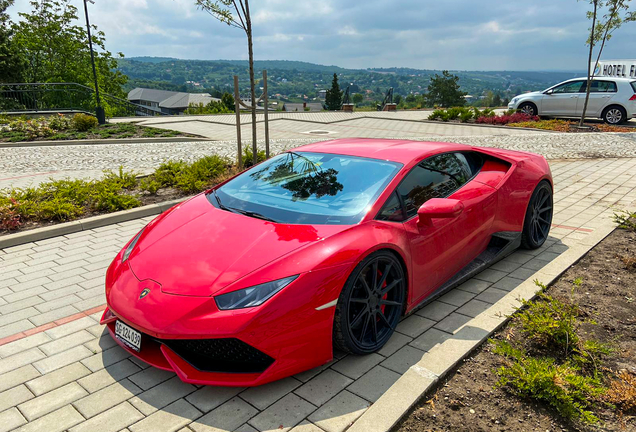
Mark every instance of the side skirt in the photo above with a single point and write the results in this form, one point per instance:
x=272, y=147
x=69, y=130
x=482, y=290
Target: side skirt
x=501, y=245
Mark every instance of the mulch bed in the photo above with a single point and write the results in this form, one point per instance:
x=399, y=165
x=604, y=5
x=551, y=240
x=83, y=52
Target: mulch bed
x=466, y=399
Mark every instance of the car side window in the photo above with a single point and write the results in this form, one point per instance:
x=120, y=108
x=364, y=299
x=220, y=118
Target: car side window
x=571, y=87
x=472, y=161
x=436, y=177
x=392, y=210
x=603, y=87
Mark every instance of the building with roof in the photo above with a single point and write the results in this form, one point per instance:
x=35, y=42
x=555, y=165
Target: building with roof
x=301, y=107
x=168, y=102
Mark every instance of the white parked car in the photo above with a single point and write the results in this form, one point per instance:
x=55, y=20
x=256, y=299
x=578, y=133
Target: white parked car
x=611, y=99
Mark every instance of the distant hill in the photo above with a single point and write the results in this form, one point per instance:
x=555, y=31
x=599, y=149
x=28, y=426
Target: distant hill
x=294, y=79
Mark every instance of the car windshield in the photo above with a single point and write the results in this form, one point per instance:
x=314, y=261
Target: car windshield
x=307, y=188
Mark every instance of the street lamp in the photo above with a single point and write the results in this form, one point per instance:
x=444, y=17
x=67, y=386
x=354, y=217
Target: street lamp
x=99, y=111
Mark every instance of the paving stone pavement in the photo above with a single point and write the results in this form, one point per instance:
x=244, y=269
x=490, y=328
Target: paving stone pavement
x=73, y=376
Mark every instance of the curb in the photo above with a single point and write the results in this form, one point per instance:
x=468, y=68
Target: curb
x=422, y=377
x=85, y=224
x=102, y=142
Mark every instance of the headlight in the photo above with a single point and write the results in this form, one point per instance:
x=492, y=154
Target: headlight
x=131, y=246
x=253, y=296
x=514, y=100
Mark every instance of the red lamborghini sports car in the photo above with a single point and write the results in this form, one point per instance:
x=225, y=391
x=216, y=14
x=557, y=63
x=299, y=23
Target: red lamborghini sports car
x=328, y=245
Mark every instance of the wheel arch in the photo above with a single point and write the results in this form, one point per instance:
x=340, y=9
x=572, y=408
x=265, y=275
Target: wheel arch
x=402, y=261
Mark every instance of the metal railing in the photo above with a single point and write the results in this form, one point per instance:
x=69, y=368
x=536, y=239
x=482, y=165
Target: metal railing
x=55, y=97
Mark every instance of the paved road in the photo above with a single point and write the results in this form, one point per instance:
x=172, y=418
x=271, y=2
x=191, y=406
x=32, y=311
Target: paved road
x=72, y=375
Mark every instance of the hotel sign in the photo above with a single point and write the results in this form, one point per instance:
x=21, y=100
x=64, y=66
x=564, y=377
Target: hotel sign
x=615, y=68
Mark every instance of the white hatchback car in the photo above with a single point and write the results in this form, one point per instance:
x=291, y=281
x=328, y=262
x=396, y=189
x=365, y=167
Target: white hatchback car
x=611, y=99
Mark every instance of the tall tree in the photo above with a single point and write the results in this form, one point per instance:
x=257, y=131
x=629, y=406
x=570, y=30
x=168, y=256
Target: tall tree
x=56, y=49
x=444, y=91
x=236, y=13
x=616, y=13
x=11, y=62
x=333, y=98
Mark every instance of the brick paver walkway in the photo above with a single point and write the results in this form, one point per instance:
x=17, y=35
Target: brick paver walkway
x=74, y=377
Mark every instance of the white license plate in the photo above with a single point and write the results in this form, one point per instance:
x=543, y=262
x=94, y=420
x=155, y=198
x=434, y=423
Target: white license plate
x=128, y=335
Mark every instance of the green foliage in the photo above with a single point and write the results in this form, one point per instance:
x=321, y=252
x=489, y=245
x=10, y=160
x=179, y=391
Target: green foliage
x=149, y=185
x=12, y=63
x=626, y=220
x=486, y=112
x=186, y=177
x=125, y=179
x=248, y=157
x=50, y=37
x=551, y=323
x=357, y=98
x=560, y=386
x=224, y=106
x=444, y=90
x=333, y=98
x=462, y=114
x=83, y=122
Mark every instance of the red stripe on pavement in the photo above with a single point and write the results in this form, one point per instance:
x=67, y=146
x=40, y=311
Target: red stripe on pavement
x=573, y=228
x=47, y=326
x=29, y=175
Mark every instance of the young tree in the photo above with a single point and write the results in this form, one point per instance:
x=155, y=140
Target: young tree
x=357, y=98
x=333, y=98
x=616, y=13
x=444, y=91
x=56, y=49
x=496, y=100
x=11, y=62
x=236, y=13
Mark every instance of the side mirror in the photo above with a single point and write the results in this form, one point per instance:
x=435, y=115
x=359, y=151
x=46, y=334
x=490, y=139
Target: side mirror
x=438, y=208
x=549, y=92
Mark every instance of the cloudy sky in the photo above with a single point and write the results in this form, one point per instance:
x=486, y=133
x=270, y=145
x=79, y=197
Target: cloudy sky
x=425, y=34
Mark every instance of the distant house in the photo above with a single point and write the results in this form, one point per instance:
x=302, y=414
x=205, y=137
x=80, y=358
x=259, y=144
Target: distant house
x=322, y=94
x=168, y=102
x=301, y=107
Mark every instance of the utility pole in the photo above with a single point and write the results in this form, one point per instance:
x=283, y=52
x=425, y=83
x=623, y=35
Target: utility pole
x=99, y=111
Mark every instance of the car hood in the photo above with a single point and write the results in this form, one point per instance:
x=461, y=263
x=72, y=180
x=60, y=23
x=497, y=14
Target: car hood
x=534, y=93
x=198, y=249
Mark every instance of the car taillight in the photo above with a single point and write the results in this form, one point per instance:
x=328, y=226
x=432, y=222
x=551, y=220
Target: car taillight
x=633, y=98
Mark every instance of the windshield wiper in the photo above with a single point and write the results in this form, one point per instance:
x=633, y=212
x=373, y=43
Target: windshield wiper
x=253, y=214
x=240, y=211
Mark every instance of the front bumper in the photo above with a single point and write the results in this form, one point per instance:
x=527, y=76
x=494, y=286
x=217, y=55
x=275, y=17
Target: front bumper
x=282, y=337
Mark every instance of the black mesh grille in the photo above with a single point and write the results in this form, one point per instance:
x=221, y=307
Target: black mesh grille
x=220, y=355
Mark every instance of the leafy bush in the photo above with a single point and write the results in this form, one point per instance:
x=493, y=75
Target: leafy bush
x=83, y=122
x=248, y=157
x=486, y=112
x=561, y=386
x=126, y=179
x=166, y=174
x=9, y=217
x=436, y=114
x=625, y=220
x=196, y=176
x=506, y=119
x=463, y=114
x=149, y=185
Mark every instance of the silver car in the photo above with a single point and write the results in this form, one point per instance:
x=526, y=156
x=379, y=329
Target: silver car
x=611, y=99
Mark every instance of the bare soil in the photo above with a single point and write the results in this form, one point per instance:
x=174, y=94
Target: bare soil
x=466, y=399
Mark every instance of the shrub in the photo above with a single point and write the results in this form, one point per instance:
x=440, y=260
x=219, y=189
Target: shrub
x=625, y=220
x=622, y=392
x=248, y=157
x=506, y=119
x=436, y=114
x=166, y=174
x=83, y=122
x=149, y=185
x=194, y=177
x=58, y=209
x=9, y=217
x=561, y=386
x=126, y=179
x=59, y=122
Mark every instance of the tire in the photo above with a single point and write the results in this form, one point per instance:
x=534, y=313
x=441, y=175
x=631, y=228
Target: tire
x=529, y=108
x=614, y=115
x=536, y=225
x=370, y=304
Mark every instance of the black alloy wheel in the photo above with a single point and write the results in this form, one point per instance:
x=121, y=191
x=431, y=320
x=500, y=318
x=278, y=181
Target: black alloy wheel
x=538, y=219
x=370, y=305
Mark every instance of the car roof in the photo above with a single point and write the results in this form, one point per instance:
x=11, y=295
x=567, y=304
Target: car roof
x=402, y=151
x=602, y=78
